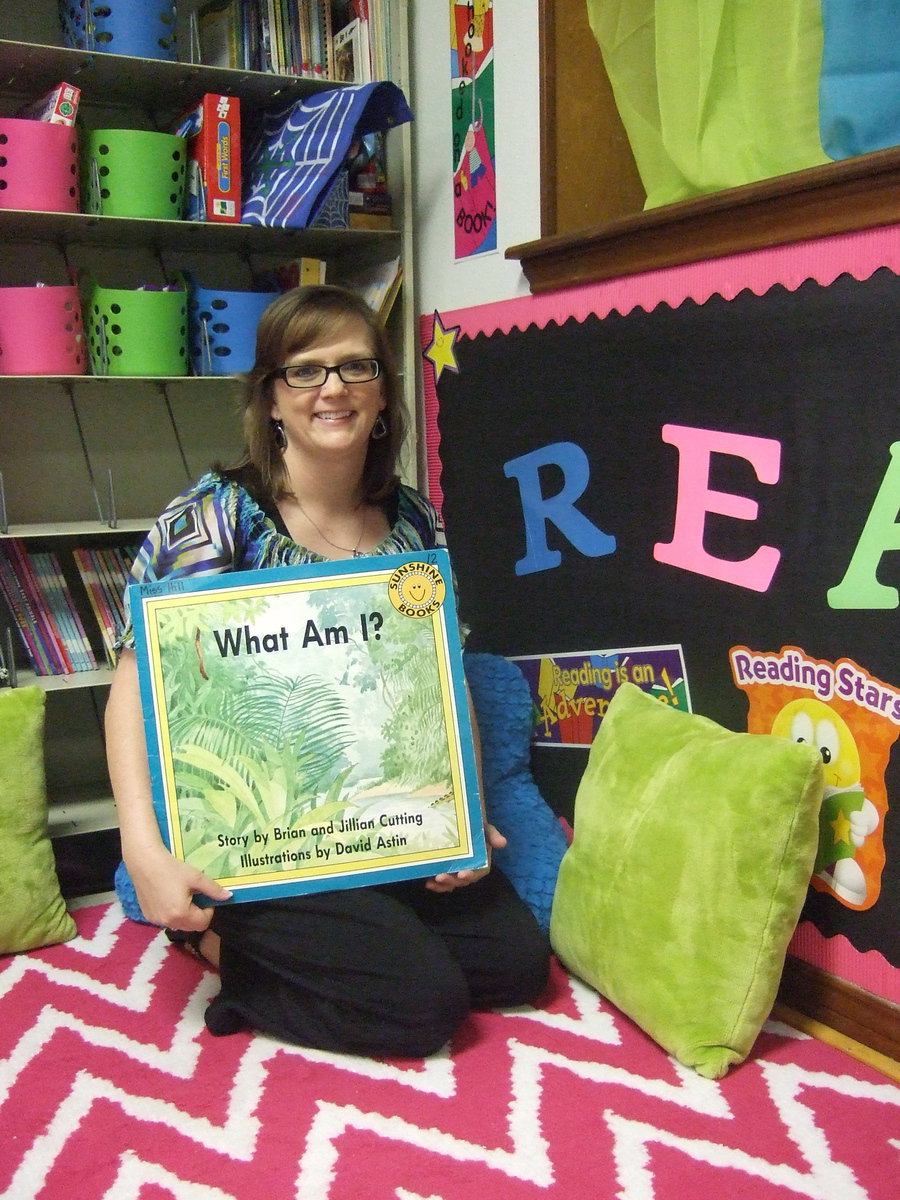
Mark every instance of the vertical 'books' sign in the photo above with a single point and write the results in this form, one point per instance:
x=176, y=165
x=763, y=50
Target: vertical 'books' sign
x=308, y=727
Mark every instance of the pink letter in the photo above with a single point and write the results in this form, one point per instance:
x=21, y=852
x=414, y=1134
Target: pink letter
x=696, y=499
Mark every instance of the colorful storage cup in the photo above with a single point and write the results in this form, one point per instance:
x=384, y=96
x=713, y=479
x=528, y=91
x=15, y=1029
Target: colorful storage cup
x=41, y=331
x=140, y=28
x=223, y=329
x=133, y=173
x=137, y=332
x=38, y=166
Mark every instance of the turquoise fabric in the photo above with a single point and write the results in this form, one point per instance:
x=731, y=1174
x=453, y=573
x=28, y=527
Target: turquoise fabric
x=859, y=92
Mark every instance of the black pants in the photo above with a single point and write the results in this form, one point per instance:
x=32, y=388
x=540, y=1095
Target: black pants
x=383, y=971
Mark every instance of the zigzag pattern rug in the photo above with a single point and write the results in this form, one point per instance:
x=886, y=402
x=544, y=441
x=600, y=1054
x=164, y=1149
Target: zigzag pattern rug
x=111, y=1087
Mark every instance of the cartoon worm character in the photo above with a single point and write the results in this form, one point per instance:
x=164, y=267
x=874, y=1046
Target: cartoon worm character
x=847, y=817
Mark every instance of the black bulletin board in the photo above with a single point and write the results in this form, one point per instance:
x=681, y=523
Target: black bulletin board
x=816, y=370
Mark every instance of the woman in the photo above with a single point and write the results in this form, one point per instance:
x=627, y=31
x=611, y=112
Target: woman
x=381, y=970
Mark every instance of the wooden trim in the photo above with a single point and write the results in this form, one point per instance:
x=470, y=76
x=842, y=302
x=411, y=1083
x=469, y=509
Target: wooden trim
x=866, y=1018
x=547, y=111
x=841, y=197
x=840, y=1041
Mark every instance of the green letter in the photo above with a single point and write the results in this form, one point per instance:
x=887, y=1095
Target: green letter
x=860, y=588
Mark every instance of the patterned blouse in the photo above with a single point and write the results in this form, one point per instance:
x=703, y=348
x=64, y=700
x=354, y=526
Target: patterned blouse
x=217, y=526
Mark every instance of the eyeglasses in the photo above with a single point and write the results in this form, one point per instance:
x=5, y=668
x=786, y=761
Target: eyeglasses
x=313, y=375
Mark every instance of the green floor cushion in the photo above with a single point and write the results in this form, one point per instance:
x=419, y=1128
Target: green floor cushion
x=32, y=911
x=690, y=862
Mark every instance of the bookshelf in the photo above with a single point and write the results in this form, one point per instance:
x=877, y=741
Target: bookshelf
x=88, y=460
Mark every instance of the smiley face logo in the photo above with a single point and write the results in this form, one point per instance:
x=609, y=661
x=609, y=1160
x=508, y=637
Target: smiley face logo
x=417, y=589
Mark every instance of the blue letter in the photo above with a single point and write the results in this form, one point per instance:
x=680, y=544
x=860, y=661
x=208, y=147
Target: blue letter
x=560, y=509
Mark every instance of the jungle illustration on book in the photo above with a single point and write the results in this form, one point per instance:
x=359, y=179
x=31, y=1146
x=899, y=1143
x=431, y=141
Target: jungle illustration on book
x=307, y=727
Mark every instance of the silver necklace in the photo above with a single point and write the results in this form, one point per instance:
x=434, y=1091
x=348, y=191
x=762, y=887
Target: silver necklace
x=355, y=552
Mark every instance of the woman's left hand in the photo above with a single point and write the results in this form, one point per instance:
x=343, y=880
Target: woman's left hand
x=449, y=883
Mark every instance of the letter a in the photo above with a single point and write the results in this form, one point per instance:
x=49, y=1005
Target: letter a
x=559, y=509
x=859, y=588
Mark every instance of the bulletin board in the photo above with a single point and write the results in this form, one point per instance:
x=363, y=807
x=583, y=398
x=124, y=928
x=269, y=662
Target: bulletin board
x=719, y=472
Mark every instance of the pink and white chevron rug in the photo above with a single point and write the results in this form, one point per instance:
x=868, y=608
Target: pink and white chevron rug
x=110, y=1087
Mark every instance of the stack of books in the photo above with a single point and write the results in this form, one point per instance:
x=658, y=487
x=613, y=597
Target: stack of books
x=43, y=600
x=346, y=41
x=104, y=573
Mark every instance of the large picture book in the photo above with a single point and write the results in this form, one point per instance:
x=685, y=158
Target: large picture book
x=308, y=727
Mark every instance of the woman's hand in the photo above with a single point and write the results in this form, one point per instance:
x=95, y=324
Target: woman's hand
x=449, y=883
x=166, y=888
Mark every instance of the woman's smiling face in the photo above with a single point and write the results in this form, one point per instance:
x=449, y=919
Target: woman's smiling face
x=335, y=416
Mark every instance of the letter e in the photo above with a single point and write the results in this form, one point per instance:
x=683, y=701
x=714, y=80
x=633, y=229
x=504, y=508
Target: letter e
x=695, y=499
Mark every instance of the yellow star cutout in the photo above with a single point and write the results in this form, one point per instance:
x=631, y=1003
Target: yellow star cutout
x=440, y=352
x=841, y=827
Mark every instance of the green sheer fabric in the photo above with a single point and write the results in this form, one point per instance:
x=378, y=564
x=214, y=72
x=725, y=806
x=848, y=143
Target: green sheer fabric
x=713, y=93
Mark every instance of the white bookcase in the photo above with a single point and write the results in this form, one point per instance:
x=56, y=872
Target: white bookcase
x=91, y=460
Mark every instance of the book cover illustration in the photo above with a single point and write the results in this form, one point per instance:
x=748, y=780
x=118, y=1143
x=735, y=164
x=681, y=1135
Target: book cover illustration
x=308, y=727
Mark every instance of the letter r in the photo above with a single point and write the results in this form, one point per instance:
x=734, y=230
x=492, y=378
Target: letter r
x=559, y=509
x=696, y=499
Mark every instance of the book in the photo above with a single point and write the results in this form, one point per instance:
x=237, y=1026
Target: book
x=351, y=53
x=219, y=33
x=103, y=614
x=308, y=727
x=23, y=616
x=49, y=639
x=391, y=295
x=62, y=611
x=300, y=271
x=323, y=17
x=114, y=565
x=376, y=283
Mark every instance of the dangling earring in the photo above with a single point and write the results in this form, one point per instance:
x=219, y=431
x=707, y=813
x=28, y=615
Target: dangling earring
x=379, y=429
x=279, y=437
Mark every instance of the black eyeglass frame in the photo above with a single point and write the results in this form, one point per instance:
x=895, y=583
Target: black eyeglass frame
x=282, y=372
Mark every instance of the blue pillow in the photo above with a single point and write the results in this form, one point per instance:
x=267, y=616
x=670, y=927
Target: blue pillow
x=536, y=839
x=127, y=895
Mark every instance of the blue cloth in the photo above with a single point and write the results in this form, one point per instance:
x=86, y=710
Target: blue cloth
x=128, y=896
x=536, y=841
x=300, y=147
x=859, y=89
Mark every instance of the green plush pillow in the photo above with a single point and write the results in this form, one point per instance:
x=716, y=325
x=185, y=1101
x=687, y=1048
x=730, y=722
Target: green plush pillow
x=32, y=911
x=692, y=854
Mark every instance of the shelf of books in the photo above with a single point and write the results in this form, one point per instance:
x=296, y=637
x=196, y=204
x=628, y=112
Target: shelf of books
x=89, y=457
x=65, y=606
x=349, y=41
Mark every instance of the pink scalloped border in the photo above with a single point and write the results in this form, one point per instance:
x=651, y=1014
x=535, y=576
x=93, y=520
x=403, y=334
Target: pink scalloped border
x=822, y=259
x=869, y=970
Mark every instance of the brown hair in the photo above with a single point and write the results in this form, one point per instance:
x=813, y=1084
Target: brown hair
x=298, y=319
